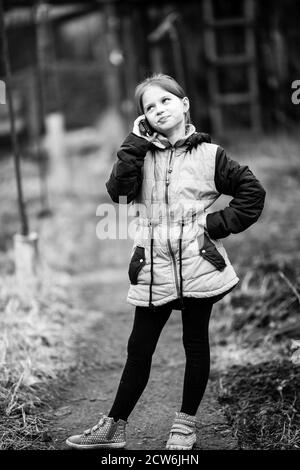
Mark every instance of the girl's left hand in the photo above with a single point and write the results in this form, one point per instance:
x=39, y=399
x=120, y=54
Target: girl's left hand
x=136, y=129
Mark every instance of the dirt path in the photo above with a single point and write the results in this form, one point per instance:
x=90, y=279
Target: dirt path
x=99, y=288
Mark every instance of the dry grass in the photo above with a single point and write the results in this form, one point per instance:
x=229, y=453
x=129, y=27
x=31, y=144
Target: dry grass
x=262, y=404
x=267, y=302
x=36, y=349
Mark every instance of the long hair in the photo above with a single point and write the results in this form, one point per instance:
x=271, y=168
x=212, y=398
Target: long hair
x=166, y=83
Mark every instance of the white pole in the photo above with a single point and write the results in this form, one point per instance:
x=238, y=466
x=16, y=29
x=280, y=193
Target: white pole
x=59, y=171
x=27, y=263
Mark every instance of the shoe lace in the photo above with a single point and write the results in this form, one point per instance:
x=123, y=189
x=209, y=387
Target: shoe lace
x=101, y=422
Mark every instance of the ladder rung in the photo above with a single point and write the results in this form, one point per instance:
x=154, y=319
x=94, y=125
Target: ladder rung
x=232, y=59
x=234, y=98
x=228, y=22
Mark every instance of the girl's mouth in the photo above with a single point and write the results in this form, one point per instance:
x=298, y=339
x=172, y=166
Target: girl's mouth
x=162, y=119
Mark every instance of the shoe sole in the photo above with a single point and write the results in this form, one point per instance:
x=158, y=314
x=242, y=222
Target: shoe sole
x=180, y=446
x=113, y=445
x=174, y=447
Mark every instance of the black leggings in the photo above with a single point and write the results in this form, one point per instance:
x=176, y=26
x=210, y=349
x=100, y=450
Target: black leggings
x=142, y=342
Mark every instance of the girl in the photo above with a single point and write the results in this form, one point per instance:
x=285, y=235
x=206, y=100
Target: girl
x=173, y=174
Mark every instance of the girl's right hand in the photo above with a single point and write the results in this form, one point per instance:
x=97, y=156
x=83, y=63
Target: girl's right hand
x=136, y=129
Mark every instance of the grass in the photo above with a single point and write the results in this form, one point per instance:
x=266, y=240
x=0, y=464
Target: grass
x=262, y=404
x=36, y=349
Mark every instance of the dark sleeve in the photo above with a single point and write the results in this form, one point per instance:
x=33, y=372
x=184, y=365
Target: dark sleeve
x=126, y=175
x=244, y=209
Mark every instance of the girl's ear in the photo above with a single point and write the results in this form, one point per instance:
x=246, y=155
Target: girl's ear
x=186, y=104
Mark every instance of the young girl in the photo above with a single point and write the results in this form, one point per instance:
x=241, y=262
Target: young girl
x=173, y=174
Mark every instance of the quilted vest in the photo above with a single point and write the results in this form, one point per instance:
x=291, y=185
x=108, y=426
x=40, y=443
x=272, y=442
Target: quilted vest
x=172, y=255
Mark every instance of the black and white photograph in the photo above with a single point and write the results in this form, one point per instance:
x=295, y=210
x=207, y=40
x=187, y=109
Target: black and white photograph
x=149, y=229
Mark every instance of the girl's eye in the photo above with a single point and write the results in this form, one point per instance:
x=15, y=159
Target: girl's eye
x=149, y=108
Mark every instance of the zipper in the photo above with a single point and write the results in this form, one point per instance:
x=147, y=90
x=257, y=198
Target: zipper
x=168, y=172
x=169, y=169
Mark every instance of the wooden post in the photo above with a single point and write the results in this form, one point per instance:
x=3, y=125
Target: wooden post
x=111, y=125
x=168, y=28
x=111, y=47
x=40, y=16
x=177, y=54
x=130, y=67
x=52, y=124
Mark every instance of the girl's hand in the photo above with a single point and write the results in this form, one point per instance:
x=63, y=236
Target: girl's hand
x=136, y=129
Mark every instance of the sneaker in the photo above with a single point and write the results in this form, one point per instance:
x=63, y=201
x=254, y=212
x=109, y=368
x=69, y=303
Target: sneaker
x=183, y=432
x=106, y=434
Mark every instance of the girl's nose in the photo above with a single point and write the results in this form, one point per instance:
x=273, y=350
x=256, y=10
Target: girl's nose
x=159, y=108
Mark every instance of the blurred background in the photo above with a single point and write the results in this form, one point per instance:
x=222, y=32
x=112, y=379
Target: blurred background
x=70, y=70
x=236, y=59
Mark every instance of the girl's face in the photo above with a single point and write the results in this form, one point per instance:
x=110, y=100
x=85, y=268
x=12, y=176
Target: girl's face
x=164, y=111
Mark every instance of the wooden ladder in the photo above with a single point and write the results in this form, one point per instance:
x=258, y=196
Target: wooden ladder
x=247, y=60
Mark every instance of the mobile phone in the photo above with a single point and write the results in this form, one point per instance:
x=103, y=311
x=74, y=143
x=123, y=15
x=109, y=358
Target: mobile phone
x=145, y=127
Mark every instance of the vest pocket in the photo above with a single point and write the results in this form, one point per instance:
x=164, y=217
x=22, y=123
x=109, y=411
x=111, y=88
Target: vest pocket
x=209, y=252
x=137, y=261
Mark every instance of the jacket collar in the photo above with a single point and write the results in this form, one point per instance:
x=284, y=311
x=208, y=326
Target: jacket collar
x=162, y=142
